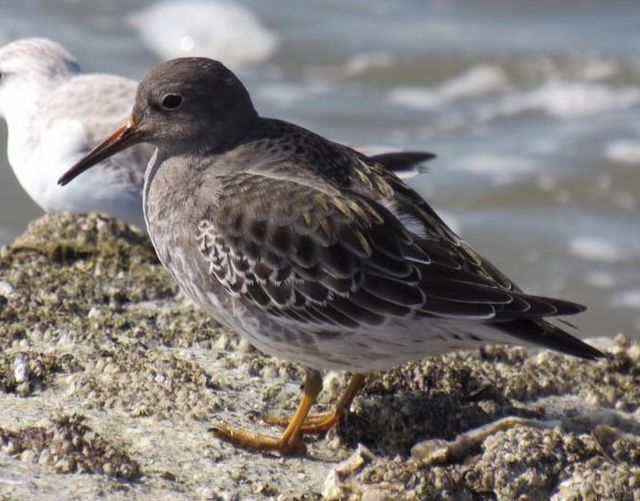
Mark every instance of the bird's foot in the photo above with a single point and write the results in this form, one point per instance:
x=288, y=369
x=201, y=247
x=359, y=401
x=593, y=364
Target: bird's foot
x=290, y=438
x=313, y=424
x=284, y=444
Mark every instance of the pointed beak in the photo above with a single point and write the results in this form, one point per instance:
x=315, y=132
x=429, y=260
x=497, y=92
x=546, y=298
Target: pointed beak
x=124, y=136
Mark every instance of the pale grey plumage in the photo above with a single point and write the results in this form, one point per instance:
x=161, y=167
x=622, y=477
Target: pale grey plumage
x=55, y=115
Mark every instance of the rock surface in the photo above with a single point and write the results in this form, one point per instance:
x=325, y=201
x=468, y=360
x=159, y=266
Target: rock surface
x=110, y=379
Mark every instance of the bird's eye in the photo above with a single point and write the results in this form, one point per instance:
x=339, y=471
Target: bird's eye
x=171, y=101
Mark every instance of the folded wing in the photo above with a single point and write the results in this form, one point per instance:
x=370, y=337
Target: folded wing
x=303, y=249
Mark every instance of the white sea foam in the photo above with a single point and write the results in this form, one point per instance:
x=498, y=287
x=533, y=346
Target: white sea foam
x=221, y=30
x=624, y=151
x=629, y=298
x=359, y=63
x=566, y=100
x=289, y=94
x=600, y=278
x=283, y=94
x=597, y=68
x=478, y=80
x=596, y=249
x=501, y=168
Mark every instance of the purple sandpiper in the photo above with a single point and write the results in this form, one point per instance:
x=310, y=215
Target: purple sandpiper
x=309, y=249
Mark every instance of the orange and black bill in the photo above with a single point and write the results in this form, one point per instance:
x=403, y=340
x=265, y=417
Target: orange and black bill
x=123, y=137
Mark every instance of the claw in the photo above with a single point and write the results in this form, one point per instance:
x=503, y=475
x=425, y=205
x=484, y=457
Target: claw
x=299, y=424
x=255, y=441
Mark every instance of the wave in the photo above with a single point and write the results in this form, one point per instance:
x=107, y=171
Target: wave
x=625, y=151
x=220, y=30
x=597, y=249
x=567, y=100
x=502, y=169
x=477, y=81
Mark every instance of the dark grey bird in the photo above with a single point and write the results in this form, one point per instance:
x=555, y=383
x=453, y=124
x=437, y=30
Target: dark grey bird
x=313, y=251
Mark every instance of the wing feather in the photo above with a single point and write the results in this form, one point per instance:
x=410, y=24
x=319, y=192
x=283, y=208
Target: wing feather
x=339, y=257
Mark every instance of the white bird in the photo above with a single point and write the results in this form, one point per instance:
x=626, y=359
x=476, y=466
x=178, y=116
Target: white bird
x=55, y=115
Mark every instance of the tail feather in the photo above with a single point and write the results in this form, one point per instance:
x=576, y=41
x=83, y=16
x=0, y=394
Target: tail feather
x=405, y=164
x=543, y=333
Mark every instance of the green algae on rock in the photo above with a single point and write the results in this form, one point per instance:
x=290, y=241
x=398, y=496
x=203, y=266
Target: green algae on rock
x=97, y=343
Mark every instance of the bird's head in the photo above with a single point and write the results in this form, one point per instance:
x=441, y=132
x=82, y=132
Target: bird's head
x=31, y=66
x=184, y=104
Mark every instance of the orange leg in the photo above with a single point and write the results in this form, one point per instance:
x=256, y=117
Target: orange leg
x=319, y=423
x=291, y=436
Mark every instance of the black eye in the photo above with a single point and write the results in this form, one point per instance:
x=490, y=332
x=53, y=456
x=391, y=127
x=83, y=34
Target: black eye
x=171, y=101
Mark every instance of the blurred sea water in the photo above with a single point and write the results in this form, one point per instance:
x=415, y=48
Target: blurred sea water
x=532, y=107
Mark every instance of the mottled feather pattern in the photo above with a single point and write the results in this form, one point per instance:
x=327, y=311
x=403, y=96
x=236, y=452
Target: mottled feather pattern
x=323, y=249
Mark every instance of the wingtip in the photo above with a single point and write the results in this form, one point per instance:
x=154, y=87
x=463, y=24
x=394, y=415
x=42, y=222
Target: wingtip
x=405, y=163
x=547, y=335
x=591, y=353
